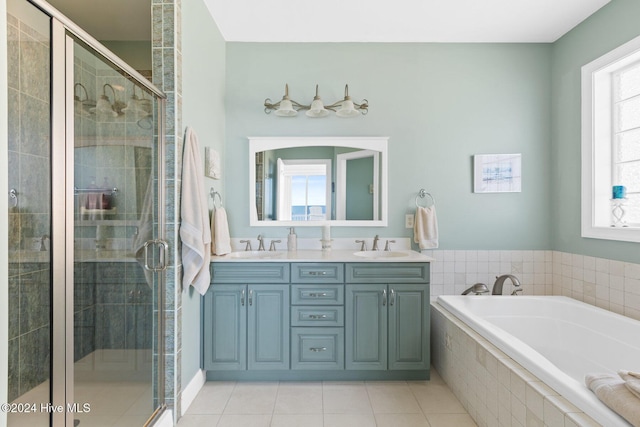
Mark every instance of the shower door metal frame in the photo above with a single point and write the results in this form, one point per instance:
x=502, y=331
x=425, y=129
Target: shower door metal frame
x=63, y=33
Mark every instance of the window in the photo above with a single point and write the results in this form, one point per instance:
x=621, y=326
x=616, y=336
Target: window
x=304, y=190
x=611, y=144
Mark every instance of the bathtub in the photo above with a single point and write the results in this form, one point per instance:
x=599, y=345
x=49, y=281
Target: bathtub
x=558, y=339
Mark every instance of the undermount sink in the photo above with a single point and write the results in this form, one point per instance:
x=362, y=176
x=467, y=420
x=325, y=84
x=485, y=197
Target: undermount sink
x=380, y=254
x=256, y=254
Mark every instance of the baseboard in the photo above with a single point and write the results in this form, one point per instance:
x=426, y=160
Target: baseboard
x=192, y=389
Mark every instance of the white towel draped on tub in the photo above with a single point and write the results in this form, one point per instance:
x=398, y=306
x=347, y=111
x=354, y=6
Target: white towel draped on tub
x=220, y=239
x=194, y=218
x=611, y=390
x=425, y=227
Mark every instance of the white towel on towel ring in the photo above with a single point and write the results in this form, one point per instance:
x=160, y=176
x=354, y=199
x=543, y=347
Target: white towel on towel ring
x=425, y=227
x=194, y=218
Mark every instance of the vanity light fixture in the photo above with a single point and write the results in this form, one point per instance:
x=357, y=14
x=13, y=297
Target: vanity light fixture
x=343, y=108
x=78, y=103
x=104, y=105
x=137, y=106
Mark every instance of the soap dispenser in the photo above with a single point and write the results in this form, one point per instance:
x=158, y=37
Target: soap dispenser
x=292, y=240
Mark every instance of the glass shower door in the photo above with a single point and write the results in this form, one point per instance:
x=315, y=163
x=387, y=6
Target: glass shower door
x=115, y=203
x=29, y=173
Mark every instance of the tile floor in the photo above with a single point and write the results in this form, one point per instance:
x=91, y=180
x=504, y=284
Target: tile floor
x=328, y=403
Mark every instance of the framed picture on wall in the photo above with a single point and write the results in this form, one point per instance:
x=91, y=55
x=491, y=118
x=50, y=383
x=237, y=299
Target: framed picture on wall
x=497, y=173
x=212, y=163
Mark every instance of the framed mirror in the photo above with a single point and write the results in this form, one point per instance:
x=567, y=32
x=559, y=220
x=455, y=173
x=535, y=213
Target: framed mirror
x=312, y=181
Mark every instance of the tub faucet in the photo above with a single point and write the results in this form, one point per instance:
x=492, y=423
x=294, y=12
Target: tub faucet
x=477, y=289
x=497, y=286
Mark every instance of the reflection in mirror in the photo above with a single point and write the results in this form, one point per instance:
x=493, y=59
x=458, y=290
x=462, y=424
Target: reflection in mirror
x=303, y=181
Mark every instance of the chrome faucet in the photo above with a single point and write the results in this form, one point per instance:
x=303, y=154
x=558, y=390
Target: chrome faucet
x=272, y=246
x=248, y=244
x=363, y=245
x=497, y=286
x=42, y=239
x=375, y=243
x=477, y=289
x=261, y=242
x=387, y=246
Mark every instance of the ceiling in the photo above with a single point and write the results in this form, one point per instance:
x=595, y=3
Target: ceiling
x=502, y=21
x=116, y=20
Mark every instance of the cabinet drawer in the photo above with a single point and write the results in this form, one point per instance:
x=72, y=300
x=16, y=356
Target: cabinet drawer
x=383, y=272
x=317, y=348
x=317, y=316
x=317, y=294
x=249, y=272
x=323, y=272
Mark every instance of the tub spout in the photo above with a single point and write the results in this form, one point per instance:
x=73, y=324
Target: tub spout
x=477, y=289
x=497, y=286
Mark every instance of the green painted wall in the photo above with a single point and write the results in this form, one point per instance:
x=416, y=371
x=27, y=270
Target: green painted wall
x=438, y=103
x=203, y=80
x=611, y=26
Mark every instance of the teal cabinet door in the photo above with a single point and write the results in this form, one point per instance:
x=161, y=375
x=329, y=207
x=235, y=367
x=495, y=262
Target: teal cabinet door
x=225, y=328
x=408, y=327
x=366, y=327
x=268, y=329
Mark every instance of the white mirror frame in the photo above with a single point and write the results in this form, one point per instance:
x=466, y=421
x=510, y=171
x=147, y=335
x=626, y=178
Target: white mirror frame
x=258, y=144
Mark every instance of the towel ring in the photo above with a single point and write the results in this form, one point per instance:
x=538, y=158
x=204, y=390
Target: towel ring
x=422, y=194
x=213, y=193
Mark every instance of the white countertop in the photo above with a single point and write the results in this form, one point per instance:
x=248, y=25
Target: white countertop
x=321, y=256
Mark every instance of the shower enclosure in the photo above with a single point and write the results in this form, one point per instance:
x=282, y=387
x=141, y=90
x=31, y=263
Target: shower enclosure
x=86, y=255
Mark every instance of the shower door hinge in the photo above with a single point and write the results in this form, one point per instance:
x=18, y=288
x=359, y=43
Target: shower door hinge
x=161, y=247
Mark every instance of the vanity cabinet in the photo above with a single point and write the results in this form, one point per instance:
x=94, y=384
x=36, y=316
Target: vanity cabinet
x=317, y=316
x=314, y=321
x=247, y=323
x=387, y=318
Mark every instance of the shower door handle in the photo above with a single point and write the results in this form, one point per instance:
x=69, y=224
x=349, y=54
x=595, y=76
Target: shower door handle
x=163, y=247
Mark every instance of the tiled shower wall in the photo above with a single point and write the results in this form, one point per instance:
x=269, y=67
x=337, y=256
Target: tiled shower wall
x=167, y=75
x=29, y=163
x=609, y=284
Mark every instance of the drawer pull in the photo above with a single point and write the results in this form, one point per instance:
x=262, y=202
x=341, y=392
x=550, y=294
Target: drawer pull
x=317, y=273
x=318, y=349
x=317, y=316
x=317, y=294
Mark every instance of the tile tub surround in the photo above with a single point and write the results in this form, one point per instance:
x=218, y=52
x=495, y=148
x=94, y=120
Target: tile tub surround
x=494, y=389
x=609, y=284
